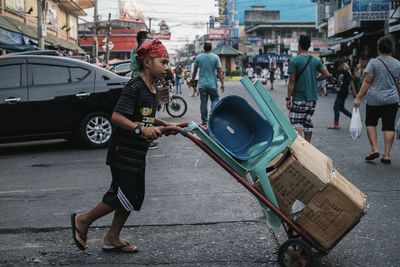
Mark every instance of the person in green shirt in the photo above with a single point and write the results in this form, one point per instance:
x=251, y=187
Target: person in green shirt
x=302, y=93
x=140, y=38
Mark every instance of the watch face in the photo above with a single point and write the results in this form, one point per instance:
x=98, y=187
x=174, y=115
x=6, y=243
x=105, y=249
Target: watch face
x=137, y=131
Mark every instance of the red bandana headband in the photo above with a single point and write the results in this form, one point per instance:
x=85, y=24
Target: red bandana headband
x=151, y=49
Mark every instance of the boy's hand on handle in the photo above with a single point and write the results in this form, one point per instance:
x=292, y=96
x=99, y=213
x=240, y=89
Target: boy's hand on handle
x=174, y=124
x=152, y=133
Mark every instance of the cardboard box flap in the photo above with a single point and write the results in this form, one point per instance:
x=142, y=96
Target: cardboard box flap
x=346, y=187
x=312, y=159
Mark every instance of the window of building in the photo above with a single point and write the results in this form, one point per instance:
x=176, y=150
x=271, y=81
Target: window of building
x=49, y=74
x=10, y=76
x=17, y=5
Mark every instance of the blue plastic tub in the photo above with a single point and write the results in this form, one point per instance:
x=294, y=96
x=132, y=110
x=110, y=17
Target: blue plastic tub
x=239, y=129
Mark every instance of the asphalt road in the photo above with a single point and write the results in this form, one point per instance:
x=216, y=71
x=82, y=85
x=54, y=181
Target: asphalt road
x=194, y=213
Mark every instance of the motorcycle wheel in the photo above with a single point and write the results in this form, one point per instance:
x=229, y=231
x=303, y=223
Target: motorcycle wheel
x=177, y=107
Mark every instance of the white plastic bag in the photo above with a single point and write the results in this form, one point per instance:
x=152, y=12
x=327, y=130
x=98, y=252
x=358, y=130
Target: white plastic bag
x=355, y=124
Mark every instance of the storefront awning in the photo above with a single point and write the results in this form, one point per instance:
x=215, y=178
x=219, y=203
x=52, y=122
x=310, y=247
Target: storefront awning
x=345, y=40
x=17, y=47
x=16, y=28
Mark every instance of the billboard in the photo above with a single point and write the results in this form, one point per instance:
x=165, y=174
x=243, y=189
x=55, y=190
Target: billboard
x=331, y=26
x=223, y=7
x=364, y=10
x=164, y=32
x=218, y=33
x=131, y=10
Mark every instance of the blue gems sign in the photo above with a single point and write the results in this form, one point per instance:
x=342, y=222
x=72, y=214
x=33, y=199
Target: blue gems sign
x=364, y=10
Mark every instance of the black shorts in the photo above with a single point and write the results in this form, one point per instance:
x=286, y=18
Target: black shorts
x=387, y=113
x=126, y=191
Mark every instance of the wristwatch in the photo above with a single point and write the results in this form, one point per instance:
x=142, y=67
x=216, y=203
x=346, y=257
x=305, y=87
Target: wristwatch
x=138, y=130
x=288, y=98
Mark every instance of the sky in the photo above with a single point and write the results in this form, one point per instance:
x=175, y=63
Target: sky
x=186, y=18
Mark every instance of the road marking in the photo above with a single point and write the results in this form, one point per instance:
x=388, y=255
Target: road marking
x=39, y=190
x=157, y=156
x=19, y=247
x=195, y=165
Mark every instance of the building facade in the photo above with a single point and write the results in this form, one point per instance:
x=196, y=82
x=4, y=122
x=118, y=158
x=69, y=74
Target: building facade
x=353, y=27
x=299, y=10
x=122, y=37
x=393, y=26
x=126, y=20
x=18, y=24
x=265, y=38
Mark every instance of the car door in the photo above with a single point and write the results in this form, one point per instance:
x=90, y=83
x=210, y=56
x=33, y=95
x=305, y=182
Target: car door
x=14, y=105
x=60, y=91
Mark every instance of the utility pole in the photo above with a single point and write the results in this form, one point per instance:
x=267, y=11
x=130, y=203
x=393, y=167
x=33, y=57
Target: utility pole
x=41, y=30
x=232, y=26
x=95, y=49
x=207, y=25
x=150, y=19
x=107, y=57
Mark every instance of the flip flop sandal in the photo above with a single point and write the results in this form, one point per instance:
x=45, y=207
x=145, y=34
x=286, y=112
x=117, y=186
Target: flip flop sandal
x=372, y=156
x=112, y=248
x=76, y=231
x=386, y=161
x=333, y=127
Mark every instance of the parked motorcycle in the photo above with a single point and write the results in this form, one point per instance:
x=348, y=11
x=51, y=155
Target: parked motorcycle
x=175, y=105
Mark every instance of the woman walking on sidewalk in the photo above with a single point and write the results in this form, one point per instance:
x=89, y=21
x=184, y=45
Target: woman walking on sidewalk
x=381, y=87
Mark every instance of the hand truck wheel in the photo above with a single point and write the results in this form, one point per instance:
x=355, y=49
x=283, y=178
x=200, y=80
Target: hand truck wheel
x=295, y=253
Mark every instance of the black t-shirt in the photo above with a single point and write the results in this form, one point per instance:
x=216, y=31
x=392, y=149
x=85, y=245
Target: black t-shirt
x=344, y=81
x=128, y=150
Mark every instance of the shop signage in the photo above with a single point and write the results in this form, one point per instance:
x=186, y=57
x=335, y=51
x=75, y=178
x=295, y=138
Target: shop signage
x=257, y=40
x=320, y=43
x=218, y=33
x=344, y=20
x=222, y=7
x=221, y=19
x=364, y=10
x=331, y=26
x=267, y=58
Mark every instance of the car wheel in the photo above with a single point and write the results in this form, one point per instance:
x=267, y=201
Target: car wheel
x=95, y=130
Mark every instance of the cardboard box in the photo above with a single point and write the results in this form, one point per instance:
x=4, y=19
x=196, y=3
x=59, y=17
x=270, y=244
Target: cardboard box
x=326, y=203
x=333, y=211
x=301, y=176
